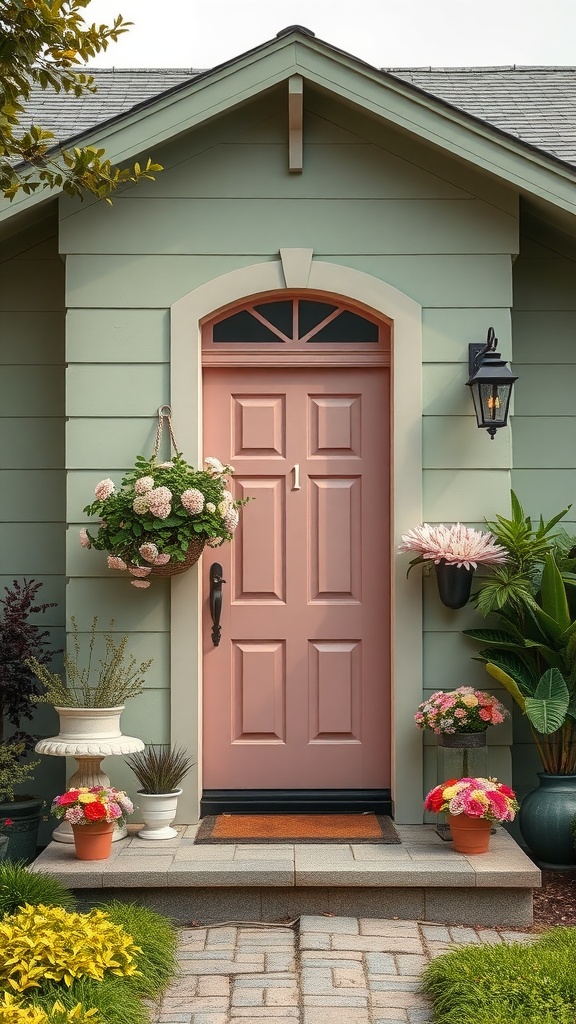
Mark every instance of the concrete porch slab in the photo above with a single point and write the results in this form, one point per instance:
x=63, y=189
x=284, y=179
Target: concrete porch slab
x=422, y=878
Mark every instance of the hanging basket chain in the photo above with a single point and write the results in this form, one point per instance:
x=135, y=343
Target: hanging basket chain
x=164, y=413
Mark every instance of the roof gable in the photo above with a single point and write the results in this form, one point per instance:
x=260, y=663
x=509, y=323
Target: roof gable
x=189, y=98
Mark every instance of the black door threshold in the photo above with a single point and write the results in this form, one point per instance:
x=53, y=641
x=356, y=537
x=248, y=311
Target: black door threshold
x=295, y=801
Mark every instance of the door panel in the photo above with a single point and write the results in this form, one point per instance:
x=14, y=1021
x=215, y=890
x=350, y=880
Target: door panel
x=297, y=694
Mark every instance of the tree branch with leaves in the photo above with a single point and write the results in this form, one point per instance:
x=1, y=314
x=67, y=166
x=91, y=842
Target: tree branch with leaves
x=44, y=44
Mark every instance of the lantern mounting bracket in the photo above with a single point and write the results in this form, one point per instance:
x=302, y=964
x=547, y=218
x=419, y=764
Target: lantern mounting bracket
x=478, y=349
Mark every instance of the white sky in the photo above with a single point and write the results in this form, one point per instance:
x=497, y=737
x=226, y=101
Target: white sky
x=385, y=33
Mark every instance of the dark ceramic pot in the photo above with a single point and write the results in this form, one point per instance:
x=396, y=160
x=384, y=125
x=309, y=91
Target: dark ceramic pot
x=454, y=584
x=546, y=821
x=22, y=834
x=466, y=740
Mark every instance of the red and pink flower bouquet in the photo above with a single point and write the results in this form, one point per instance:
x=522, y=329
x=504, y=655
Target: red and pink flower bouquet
x=85, y=806
x=477, y=798
x=463, y=710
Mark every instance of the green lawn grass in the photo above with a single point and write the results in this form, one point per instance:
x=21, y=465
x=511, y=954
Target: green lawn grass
x=506, y=984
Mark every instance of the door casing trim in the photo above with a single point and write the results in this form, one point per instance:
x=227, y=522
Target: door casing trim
x=187, y=315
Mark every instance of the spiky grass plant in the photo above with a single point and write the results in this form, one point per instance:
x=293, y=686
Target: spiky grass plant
x=19, y=886
x=113, y=1000
x=506, y=984
x=157, y=938
x=160, y=768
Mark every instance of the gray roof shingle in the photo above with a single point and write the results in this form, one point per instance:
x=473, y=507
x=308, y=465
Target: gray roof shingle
x=535, y=105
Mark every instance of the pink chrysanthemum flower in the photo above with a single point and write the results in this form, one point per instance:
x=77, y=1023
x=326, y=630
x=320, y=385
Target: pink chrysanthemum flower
x=148, y=551
x=84, y=538
x=210, y=507
x=140, y=570
x=162, y=559
x=104, y=489
x=74, y=815
x=192, y=500
x=144, y=484
x=115, y=562
x=214, y=542
x=160, y=494
x=457, y=545
x=142, y=584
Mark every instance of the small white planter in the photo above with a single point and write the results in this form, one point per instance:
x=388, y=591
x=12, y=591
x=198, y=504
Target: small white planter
x=158, y=813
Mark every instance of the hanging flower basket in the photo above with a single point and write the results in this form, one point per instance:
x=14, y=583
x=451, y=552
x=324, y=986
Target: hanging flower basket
x=159, y=521
x=456, y=551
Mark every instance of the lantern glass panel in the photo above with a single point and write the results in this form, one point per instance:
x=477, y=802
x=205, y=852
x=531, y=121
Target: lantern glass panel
x=494, y=399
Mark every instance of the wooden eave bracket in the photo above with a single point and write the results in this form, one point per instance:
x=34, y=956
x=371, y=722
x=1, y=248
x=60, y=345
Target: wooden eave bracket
x=295, y=123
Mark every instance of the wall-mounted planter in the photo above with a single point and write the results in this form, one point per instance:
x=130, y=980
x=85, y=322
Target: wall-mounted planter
x=454, y=584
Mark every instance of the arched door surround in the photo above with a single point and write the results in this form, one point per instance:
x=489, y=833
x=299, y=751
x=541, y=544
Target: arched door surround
x=332, y=283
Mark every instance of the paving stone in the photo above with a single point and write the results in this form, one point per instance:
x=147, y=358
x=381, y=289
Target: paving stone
x=395, y=984
x=311, y=941
x=287, y=996
x=345, y=977
x=404, y=999
x=410, y=963
x=319, y=925
x=375, y=943
x=247, y=996
x=518, y=937
x=488, y=937
x=435, y=933
x=400, y=929
x=213, y=986
x=338, y=1015
x=221, y=937
x=206, y=1017
x=464, y=936
x=381, y=963
x=280, y=961
x=335, y=1001
x=270, y=1012
x=386, y=1015
x=265, y=980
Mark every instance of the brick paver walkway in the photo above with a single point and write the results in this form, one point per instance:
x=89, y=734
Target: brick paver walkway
x=324, y=970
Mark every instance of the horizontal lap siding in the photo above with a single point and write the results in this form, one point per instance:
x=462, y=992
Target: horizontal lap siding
x=544, y=427
x=368, y=199
x=32, y=476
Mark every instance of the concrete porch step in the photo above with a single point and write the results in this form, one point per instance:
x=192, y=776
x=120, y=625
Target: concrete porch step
x=420, y=879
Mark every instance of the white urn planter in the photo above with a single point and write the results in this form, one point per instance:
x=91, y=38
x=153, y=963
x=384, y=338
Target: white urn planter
x=158, y=811
x=88, y=735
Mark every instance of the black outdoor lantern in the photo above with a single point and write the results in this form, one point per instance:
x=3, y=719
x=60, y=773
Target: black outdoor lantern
x=490, y=383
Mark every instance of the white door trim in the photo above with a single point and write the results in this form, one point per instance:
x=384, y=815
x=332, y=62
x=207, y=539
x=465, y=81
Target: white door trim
x=187, y=315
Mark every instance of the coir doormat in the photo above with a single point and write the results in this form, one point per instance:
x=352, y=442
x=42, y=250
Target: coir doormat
x=297, y=828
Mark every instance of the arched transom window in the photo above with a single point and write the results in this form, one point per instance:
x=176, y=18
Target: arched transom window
x=295, y=330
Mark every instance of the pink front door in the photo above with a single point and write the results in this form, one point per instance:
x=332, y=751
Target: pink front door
x=297, y=694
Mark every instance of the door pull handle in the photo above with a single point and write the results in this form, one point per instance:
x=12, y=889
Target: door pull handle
x=296, y=482
x=216, y=581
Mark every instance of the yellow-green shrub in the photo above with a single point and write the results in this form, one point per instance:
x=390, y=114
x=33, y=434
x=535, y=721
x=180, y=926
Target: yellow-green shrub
x=12, y=1011
x=51, y=944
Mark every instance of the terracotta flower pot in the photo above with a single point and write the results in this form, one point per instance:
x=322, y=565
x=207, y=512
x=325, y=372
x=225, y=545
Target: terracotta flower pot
x=93, y=841
x=469, y=835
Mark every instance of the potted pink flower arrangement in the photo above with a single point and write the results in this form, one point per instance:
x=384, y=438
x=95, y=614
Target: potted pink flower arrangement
x=472, y=805
x=461, y=711
x=93, y=812
x=456, y=551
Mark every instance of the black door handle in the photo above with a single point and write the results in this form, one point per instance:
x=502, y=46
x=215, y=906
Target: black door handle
x=216, y=581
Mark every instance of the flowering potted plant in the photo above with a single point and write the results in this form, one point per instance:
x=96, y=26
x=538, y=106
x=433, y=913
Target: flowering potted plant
x=93, y=812
x=460, y=718
x=456, y=552
x=472, y=805
x=158, y=522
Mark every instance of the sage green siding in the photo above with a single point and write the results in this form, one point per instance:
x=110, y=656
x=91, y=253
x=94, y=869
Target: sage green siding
x=370, y=198
x=544, y=425
x=32, y=476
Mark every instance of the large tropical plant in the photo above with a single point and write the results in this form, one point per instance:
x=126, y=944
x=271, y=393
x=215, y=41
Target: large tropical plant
x=532, y=652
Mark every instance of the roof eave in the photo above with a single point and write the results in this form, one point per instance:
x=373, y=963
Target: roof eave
x=402, y=104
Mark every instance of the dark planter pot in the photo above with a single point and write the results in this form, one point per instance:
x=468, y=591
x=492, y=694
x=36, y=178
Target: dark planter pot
x=22, y=835
x=454, y=584
x=546, y=821
x=462, y=740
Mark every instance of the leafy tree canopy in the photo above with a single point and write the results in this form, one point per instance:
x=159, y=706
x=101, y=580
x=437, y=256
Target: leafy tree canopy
x=44, y=43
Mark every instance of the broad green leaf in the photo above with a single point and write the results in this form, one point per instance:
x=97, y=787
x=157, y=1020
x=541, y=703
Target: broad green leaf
x=511, y=663
x=553, y=594
x=491, y=636
x=507, y=682
x=547, y=709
